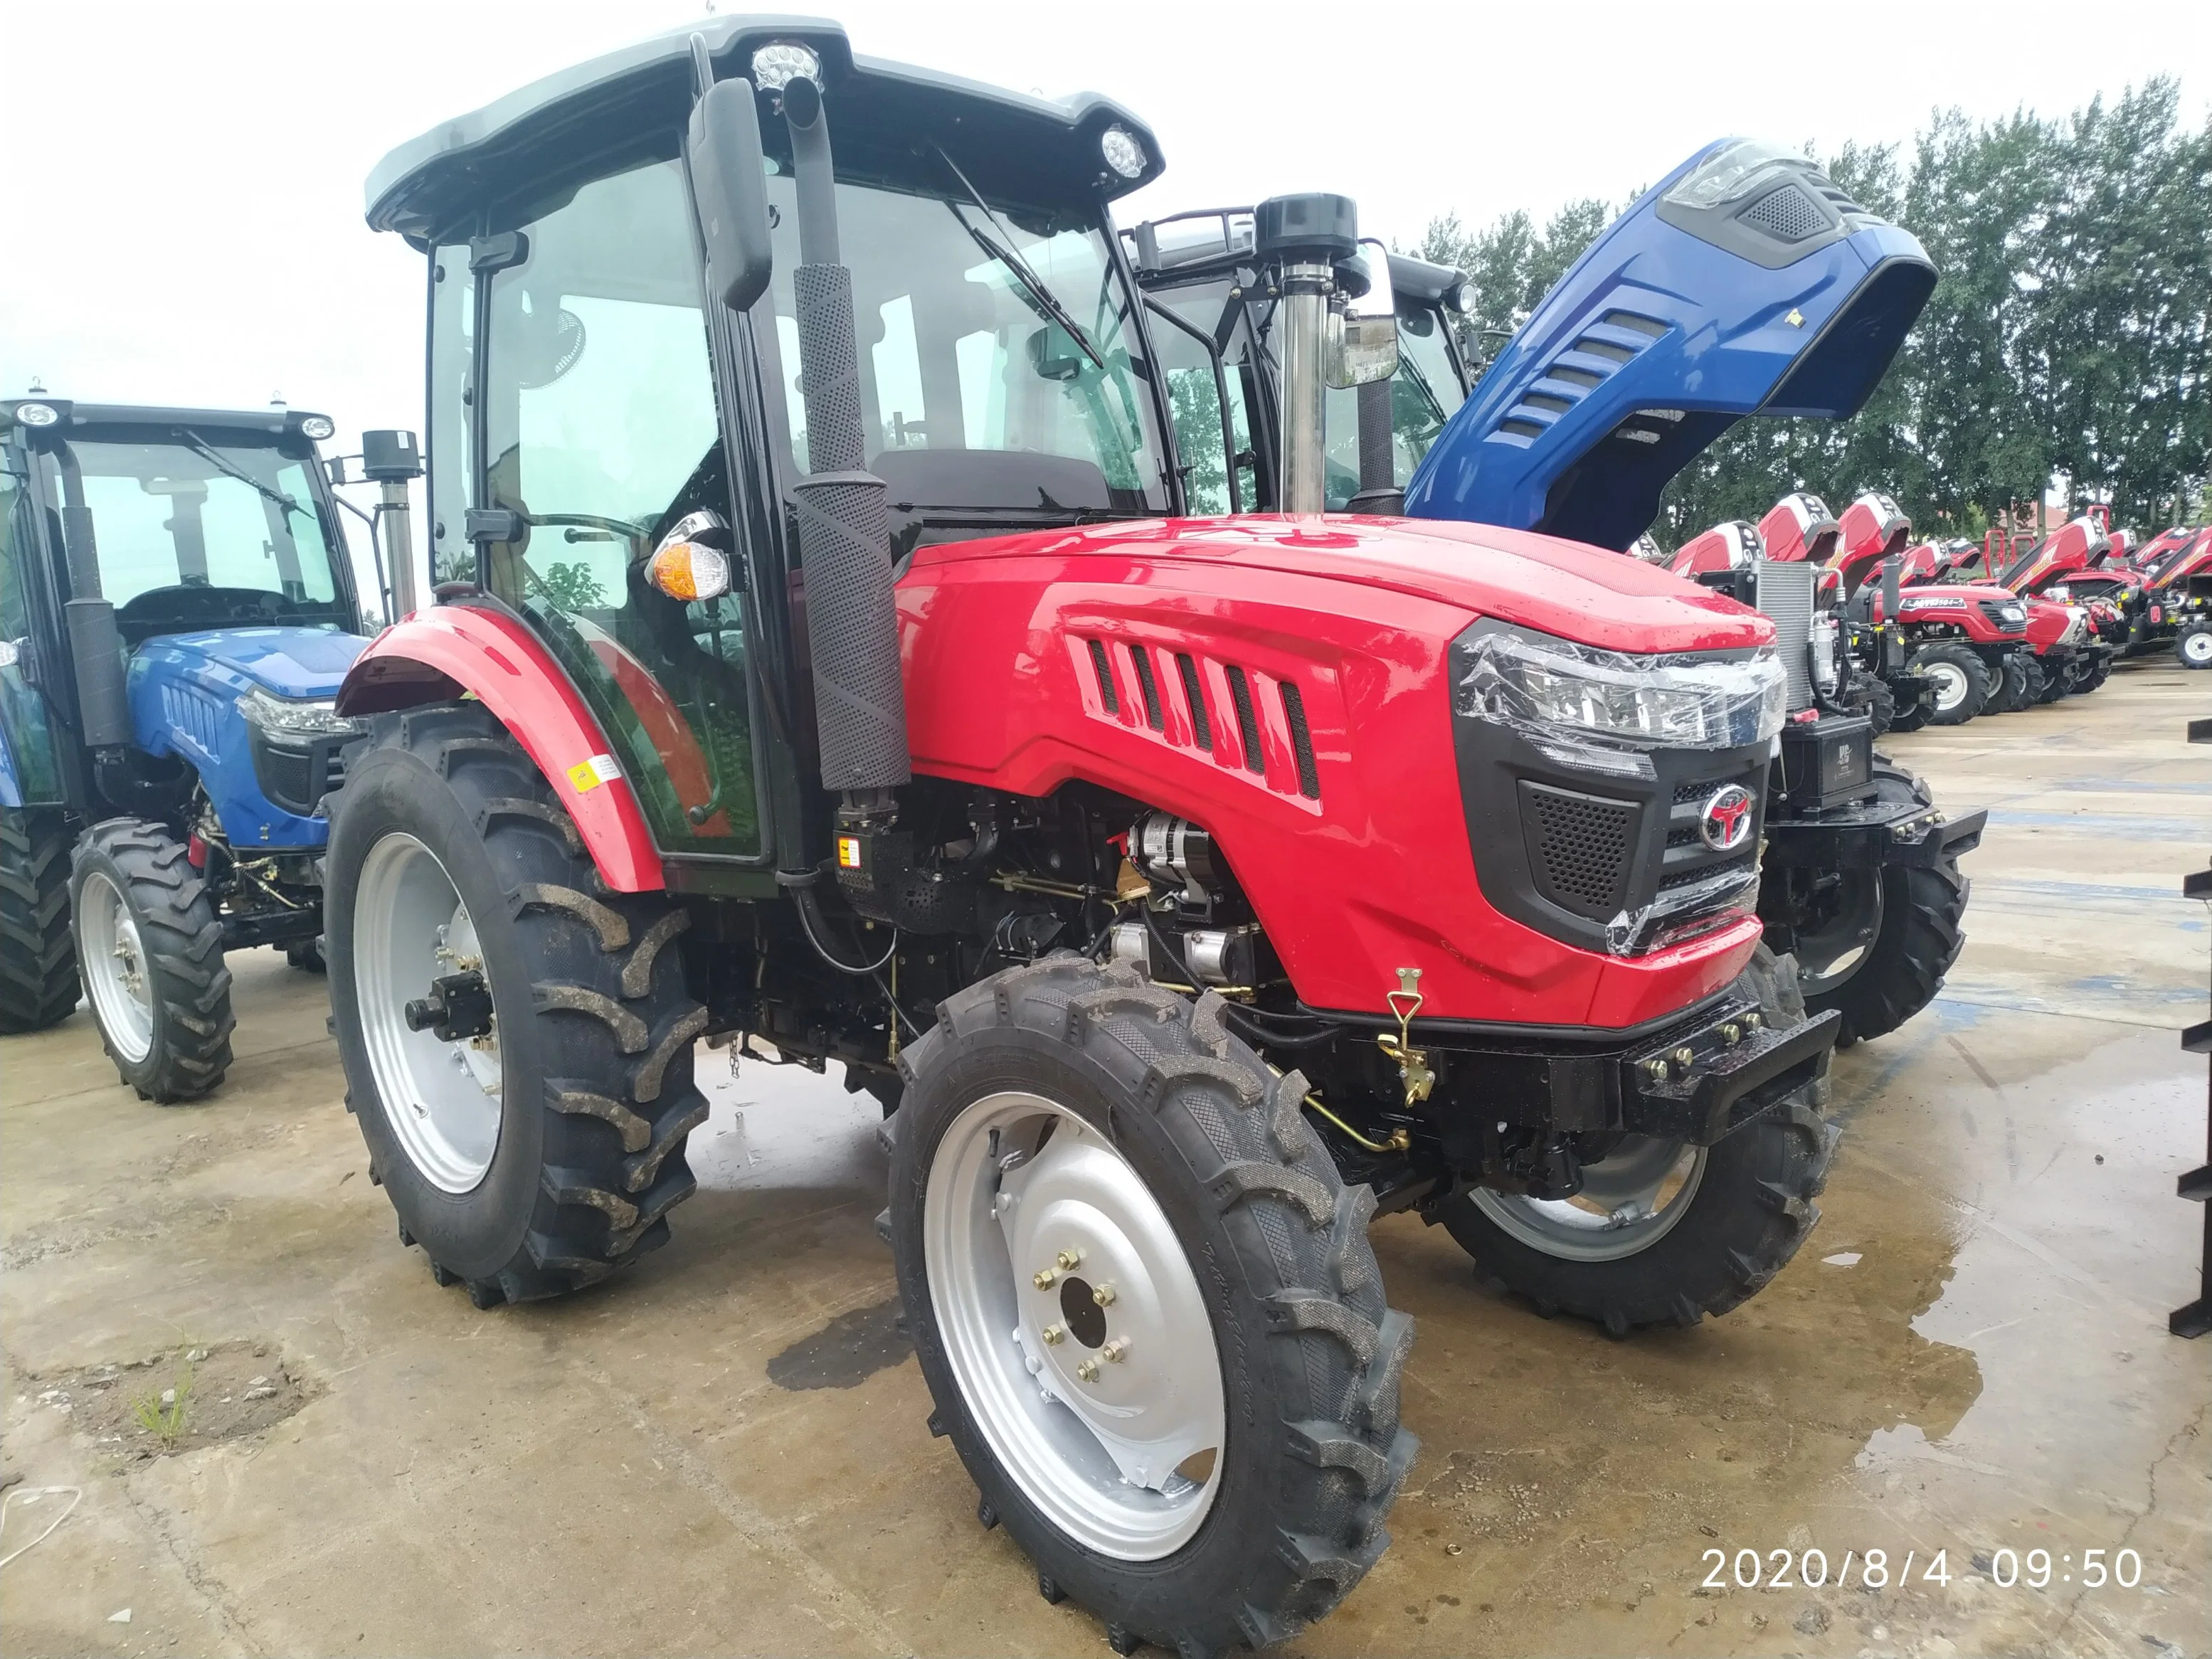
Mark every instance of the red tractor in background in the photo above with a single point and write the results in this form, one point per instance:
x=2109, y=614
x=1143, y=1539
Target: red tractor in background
x=1971, y=643
x=2173, y=605
x=824, y=668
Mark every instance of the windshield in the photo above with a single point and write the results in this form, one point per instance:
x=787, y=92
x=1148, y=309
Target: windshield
x=196, y=535
x=982, y=411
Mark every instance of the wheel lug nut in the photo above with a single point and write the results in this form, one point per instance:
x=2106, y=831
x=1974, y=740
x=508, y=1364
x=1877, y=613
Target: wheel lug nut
x=1052, y=1334
x=1068, y=1259
x=1103, y=1296
x=1043, y=1278
x=1115, y=1349
x=1088, y=1370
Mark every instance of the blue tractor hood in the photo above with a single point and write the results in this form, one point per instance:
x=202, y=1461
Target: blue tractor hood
x=1744, y=283
x=290, y=662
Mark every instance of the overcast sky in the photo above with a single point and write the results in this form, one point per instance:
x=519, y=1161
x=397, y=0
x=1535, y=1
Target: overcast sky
x=183, y=221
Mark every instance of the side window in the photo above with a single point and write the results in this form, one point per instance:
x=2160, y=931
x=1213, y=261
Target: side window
x=1194, y=396
x=600, y=433
x=453, y=354
x=23, y=711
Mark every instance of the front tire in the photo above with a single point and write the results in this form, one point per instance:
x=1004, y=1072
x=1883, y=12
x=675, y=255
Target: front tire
x=38, y=953
x=541, y=1147
x=2012, y=693
x=149, y=947
x=1069, y=1108
x=1706, y=1228
x=1962, y=681
x=2193, y=646
x=1891, y=934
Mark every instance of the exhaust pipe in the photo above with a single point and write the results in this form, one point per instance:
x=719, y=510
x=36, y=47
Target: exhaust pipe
x=1300, y=240
x=103, y=704
x=844, y=524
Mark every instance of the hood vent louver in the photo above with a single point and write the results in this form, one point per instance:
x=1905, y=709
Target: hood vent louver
x=1250, y=721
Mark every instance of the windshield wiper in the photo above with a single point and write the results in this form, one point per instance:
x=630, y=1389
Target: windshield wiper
x=245, y=477
x=1003, y=252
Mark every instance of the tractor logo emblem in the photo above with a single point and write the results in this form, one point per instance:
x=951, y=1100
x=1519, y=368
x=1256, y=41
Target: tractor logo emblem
x=1725, y=822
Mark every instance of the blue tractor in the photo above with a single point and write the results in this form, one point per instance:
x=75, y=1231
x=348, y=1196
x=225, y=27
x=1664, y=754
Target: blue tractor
x=177, y=610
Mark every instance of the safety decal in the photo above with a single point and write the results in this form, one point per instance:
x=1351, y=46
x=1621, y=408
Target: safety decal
x=589, y=774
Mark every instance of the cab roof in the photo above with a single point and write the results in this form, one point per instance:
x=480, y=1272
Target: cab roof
x=76, y=416
x=602, y=105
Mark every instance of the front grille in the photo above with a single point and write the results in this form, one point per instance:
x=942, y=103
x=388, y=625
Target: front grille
x=1995, y=609
x=296, y=776
x=1580, y=846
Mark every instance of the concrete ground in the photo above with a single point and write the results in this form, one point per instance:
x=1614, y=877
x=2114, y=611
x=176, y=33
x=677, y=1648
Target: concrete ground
x=724, y=1451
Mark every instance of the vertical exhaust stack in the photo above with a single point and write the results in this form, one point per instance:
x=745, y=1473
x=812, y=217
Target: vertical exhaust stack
x=1299, y=240
x=844, y=527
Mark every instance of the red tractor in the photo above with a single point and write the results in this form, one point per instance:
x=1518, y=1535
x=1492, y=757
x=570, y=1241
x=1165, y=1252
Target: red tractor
x=823, y=667
x=2174, y=606
x=1970, y=642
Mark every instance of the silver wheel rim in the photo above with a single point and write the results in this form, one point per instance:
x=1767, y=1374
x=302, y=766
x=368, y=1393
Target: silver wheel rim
x=2197, y=647
x=1950, y=684
x=1630, y=1200
x=118, y=972
x=1847, y=938
x=441, y=1099
x=1122, y=1455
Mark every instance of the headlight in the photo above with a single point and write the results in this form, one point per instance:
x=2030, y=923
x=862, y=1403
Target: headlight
x=1122, y=153
x=318, y=429
x=780, y=62
x=296, y=717
x=2012, y=613
x=1556, y=689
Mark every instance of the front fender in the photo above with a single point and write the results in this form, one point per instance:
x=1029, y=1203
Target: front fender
x=448, y=650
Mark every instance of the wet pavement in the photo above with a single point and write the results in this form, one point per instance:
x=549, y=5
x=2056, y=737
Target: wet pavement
x=724, y=1452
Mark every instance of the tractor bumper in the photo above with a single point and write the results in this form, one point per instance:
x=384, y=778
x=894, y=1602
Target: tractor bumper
x=1870, y=835
x=1705, y=1086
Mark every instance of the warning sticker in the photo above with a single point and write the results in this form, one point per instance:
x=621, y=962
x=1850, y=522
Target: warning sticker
x=848, y=852
x=589, y=774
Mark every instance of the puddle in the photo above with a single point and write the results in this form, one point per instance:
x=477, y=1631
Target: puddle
x=845, y=1352
x=174, y=1401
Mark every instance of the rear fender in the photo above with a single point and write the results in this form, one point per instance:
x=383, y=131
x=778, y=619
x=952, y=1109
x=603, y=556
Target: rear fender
x=451, y=650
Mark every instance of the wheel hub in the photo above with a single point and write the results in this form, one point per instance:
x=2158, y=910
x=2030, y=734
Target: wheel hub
x=427, y=1021
x=116, y=974
x=1950, y=684
x=1630, y=1199
x=1075, y=1325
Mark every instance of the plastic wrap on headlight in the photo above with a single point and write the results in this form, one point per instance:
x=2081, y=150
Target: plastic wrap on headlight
x=1557, y=692
x=303, y=717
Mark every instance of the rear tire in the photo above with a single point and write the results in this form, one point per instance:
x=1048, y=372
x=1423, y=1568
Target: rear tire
x=1919, y=918
x=548, y=1153
x=1738, y=1218
x=37, y=954
x=149, y=947
x=1961, y=677
x=1283, y=1318
x=2012, y=692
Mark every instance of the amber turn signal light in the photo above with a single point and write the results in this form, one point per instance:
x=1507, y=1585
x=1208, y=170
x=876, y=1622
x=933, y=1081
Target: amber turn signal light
x=690, y=570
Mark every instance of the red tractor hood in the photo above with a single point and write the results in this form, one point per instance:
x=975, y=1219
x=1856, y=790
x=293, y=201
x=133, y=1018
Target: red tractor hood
x=1558, y=587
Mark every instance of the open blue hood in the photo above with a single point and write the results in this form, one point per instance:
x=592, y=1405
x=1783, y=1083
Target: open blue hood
x=291, y=662
x=1744, y=283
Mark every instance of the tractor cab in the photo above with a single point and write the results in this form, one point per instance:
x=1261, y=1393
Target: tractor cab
x=1216, y=322
x=179, y=613
x=212, y=540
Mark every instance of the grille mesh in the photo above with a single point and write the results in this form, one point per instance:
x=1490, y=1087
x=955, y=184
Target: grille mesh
x=1788, y=213
x=1581, y=847
x=1201, y=727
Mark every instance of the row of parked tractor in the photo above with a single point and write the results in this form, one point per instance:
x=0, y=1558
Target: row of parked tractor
x=1133, y=698
x=1988, y=627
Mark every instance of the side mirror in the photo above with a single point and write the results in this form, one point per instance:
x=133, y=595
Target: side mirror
x=1361, y=345
x=729, y=186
